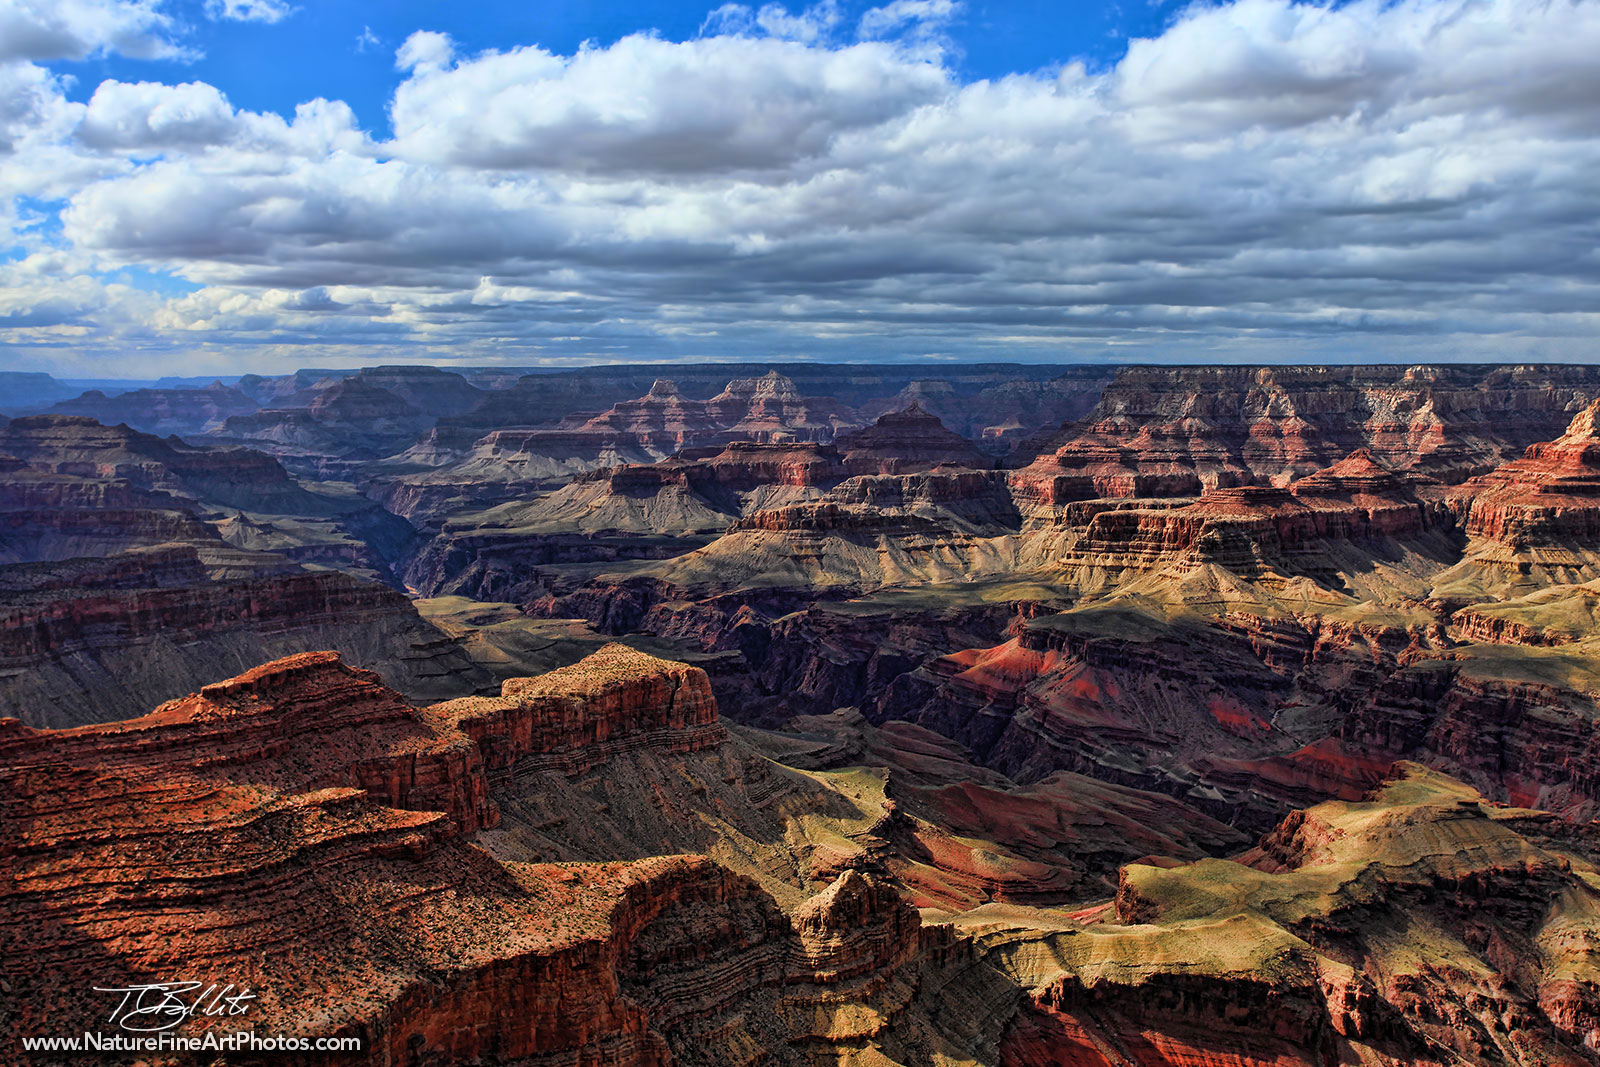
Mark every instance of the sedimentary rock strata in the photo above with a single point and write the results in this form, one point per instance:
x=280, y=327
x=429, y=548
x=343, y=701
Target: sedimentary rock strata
x=161, y=411
x=839, y=716
x=904, y=441
x=78, y=446
x=310, y=835
x=93, y=640
x=72, y=487
x=1537, y=518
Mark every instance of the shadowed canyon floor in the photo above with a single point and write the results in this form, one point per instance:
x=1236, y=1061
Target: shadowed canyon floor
x=854, y=716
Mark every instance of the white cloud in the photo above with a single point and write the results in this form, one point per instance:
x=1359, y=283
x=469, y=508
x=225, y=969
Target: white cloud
x=645, y=105
x=813, y=25
x=1269, y=178
x=921, y=16
x=424, y=50
x=149, y=118
x=33, y=106
x=42, y=30
x=268, y=11
x=150, y=115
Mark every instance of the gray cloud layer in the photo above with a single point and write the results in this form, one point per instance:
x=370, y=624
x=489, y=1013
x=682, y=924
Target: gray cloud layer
x=1264, y=180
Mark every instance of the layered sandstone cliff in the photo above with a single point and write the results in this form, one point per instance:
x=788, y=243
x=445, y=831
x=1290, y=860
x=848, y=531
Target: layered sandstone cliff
x=1538, y=517
x=74, y=487
x=908, y=440
x=94, y=640
x=305, y=833
x=1421, y=926
x=80, y=447
x=584, y=714
x=1173, y=431
x=373, y=413
x=47, y=516
x=161, y=411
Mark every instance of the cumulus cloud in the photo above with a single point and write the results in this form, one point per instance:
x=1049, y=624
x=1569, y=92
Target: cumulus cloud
x=1265, y=178
x=33, y=106
x=648, y=106
x=150, y=115
x=42, y=30
x=148, y=118
x=423, y=51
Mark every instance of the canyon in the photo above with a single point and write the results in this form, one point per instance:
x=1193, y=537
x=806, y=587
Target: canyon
x=795, y=714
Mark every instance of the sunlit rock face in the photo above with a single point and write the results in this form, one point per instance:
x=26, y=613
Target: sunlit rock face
x=1245, y=716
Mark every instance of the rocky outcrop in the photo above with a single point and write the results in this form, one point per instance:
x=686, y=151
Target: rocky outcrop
x=638, y=511
x=537, y=457
x=1172, y=431
x=578, y=716
x=78, y=488
x=833, y=655
x=1557, y=615
x=1287, y=957
x=45, y=516
x=504, y=462
x=515, y=566
x=1231, y=714
x=1036, y=396
x=1008, y=414
x=352, y=418
x=80, y=447
x=1542, y=510
x=300, y=724
x=1250, y=529
x=301, y=831
x=1520, y=740
x=430, y=390
x=697, y=491
x=24, y=392
x=772, y=409
x=94, y=640
x=296, y=389
x=905, y=441
x=664, y=420
x=974, y=501
x=161, y=411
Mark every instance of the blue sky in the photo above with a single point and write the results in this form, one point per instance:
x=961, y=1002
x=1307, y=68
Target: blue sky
x=215, y=186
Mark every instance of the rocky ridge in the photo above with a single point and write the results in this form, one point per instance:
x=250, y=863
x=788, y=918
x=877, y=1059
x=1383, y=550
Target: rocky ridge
x=95, y=640
x=1050, y=706
x=302, y=806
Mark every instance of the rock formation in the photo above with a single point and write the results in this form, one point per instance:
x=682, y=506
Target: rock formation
x=823, y=716
x=93, y=640
x=306, y=833
x=1172, y=431
x=343, y=856
x=354, y=418
x=72, y=487
x=314, y=420
x=1538, y=517
x=162, y=411
x=1422, y=926
x=909, y=440
x=28, y=392
x=77, y=446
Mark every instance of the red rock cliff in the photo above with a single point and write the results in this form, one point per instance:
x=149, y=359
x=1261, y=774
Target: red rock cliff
x=574, y=717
